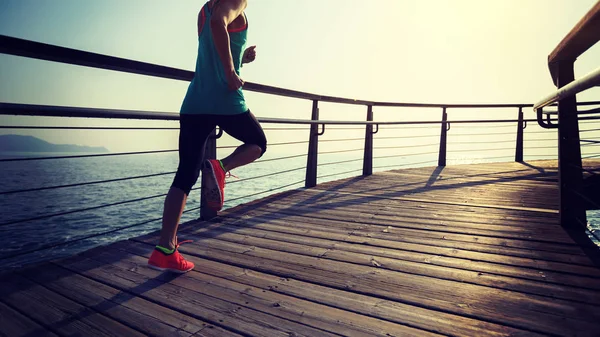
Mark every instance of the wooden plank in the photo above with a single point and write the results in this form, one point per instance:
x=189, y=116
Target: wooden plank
x=518, y=310
x=143, y=315
x=193, y=303
x=56, y=312
x=396, y=312
x=278, y=305
x=14, y=324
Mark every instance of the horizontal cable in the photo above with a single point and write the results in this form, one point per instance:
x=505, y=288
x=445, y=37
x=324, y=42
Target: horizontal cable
x=406, y=155
x=267, y=175
x=590, y=141
x=337, y=122
x=486, y=158
x=83, y=128
x=476, y=150
x=541, y=147
x=589, y=120
x=590, y=130
x=341, y=128
x=287, y=129
x=258, y=177
x=591, y=156
x=483, y=142
x=59, y=244
x=289, y=143
x=589, y=112
x=407, y=137
x=484, y=126
x=267, y=191
x=191, y=210
x=281, y=158
x=86, y=183
x=337, y=174
x=80, y=210
x=274, y=144
x=541, y=155
x=546, y=131
x=341, y=162
x=341, y=140
x=481, y=134
x=341, y=151
x=87, y=156
x=404, y=147
x=385, y=127
x=402, y=165
x=539, y=140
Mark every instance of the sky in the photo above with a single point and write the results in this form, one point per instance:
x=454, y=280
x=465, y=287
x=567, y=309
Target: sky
x=430, y=51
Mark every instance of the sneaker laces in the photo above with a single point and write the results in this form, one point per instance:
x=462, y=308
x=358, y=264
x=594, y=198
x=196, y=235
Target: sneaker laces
x=228, y=174
x=182, y=242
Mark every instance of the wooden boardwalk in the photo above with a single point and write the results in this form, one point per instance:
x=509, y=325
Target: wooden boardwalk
x=471, y=250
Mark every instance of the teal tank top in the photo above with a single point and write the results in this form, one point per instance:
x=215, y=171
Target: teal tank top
x=208, y=92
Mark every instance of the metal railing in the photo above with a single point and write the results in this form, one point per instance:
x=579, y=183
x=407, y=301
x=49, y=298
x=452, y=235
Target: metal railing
x=315, y=127
x=574, y=199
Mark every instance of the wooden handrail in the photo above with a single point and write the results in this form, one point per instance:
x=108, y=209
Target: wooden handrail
x=581, y=38
x=42, y=51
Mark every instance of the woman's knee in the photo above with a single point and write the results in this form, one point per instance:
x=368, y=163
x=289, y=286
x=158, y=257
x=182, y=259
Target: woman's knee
x=185, y=179
x=260, y=148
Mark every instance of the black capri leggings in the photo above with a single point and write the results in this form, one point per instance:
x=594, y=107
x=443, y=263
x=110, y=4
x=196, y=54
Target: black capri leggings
x=193, y=134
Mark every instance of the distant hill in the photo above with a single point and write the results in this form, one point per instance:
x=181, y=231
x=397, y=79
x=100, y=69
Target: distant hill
x=15, y=143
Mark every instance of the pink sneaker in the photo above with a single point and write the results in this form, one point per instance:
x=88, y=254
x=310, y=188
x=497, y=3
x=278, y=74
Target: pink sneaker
x=213, y=190
x=170, y=262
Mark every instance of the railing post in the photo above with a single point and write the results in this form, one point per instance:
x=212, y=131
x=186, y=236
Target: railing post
x=443, y=138
x=572, y=207
x=368, y=156
x=520, y=127
x=210, y=153
x=313, y=148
